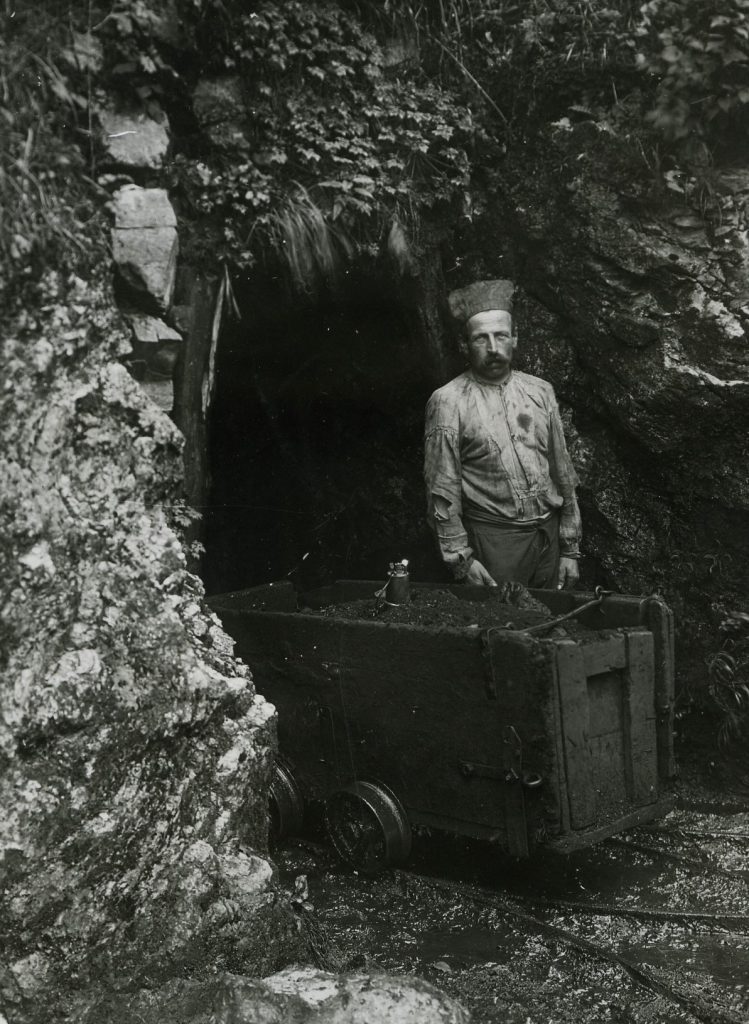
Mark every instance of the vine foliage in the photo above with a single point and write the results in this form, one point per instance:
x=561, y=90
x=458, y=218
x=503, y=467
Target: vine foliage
x=337, y=143
x=698, y=51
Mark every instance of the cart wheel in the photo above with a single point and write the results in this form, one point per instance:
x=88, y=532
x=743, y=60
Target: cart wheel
x=368, y=827
x=285, y=803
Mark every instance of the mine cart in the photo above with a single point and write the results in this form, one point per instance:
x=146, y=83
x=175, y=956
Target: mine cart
x=520, y=738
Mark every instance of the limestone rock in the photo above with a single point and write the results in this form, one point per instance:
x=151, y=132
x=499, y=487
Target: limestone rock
x=218, y=104
x=136, y=207
x=136, y=754
x=151, y=330
x=360, y=998
x=160, y=392
x=156, y=348
x=302, y=995
x=134, y=140
x=145, y=243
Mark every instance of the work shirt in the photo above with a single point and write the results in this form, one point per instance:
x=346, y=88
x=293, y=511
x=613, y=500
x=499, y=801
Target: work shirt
x=496, y=452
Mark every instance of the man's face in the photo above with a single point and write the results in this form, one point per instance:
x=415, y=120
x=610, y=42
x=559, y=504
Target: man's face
x=490, y=344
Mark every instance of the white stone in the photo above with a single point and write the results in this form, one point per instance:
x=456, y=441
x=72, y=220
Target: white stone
x=38, y=559
x=136, y=207
x=147, y=259
x=31, y=973
x=133, y=139
x=151, y=329
x=144, y=241
x=363, y=998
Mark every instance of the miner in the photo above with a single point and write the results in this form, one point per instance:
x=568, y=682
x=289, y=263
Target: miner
x=500, y=484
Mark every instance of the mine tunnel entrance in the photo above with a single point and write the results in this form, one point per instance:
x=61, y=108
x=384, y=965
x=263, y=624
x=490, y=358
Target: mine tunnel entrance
x=316, y=437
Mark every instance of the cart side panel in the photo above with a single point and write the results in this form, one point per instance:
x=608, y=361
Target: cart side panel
x=573, y=701
x=640, y=719
x=410, y=706
x=523, y=673
x=608, y=728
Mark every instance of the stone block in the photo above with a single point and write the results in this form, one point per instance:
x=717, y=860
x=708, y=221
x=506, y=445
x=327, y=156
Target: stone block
x=147, y=260
x=150, y=329
x=145, y=243
x=136, y=207
x=132, y=139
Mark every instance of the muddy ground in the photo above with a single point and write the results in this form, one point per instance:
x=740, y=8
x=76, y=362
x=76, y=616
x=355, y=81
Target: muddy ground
x=651, y=926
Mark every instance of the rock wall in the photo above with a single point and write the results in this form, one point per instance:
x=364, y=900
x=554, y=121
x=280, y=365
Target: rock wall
x=135, y=751
x=305, y=996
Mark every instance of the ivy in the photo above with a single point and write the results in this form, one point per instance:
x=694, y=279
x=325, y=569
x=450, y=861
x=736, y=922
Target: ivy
x=699, y=52
x=327, y=125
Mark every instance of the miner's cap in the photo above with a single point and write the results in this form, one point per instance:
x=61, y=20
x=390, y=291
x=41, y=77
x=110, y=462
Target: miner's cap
x=480, y=297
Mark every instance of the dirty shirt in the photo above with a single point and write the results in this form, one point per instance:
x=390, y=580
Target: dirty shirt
x=496, y=453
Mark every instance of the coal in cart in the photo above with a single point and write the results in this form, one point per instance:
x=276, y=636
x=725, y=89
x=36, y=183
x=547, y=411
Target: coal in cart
x=524, y=740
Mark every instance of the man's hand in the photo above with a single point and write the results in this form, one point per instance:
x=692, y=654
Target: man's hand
x=478, y=576
x=569, y=573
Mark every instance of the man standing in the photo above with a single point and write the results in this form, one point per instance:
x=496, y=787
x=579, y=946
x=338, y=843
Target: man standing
x=500, y=483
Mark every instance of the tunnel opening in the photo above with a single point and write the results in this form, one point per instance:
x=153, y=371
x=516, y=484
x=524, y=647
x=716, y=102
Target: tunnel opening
x=315, y=436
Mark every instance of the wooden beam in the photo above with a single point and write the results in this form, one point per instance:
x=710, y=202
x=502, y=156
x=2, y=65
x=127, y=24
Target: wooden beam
x=604, y=656
x=660, y=621
x=573, y=701
x=640, y=756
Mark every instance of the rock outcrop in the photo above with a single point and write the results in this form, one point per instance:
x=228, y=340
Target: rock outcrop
x=132, y=140
x=306, y=996
x=145, y=243
x=135, y=752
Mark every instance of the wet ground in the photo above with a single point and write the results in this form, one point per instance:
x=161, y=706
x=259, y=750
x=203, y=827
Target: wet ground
x=652, y=926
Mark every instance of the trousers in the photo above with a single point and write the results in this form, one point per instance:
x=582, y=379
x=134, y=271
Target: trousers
x=527, y=554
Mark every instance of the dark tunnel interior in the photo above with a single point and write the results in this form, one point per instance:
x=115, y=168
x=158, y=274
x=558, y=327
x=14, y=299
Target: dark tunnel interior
x=316, y=438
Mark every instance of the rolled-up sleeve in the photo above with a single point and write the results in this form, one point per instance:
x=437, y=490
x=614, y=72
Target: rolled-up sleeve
x=442, y=475
x=563, y=474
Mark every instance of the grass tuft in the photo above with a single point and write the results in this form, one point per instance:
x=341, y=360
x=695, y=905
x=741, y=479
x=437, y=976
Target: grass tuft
x=47, y=199
x=311, y=246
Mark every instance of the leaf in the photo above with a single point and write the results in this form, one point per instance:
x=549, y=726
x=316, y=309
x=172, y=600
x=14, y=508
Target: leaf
x=735, y=57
